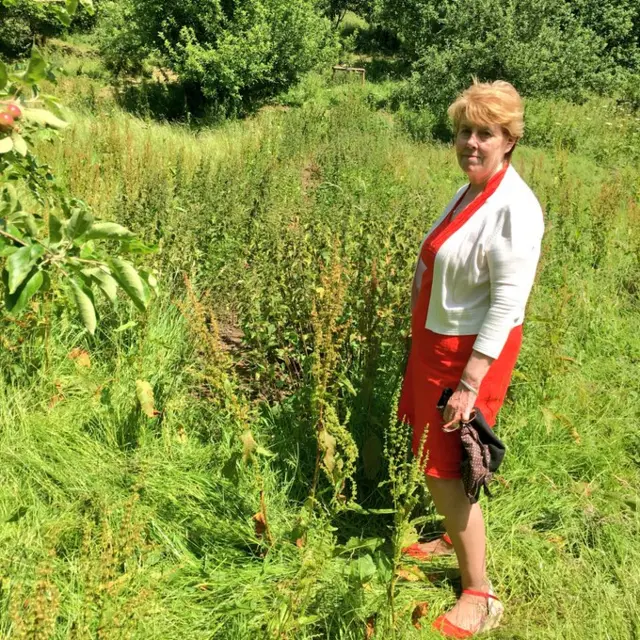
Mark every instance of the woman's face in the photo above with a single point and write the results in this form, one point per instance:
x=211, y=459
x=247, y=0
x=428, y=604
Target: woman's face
x=481, y=150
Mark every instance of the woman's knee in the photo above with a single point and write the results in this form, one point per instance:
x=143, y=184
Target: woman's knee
x=447, y=493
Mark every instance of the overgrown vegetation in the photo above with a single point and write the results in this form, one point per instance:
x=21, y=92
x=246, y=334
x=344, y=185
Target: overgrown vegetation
x=23, y=22
x=565, y=49
x=225, y=463
x=229, y=56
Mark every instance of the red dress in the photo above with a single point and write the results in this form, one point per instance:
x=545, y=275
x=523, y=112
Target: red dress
x=437, y=361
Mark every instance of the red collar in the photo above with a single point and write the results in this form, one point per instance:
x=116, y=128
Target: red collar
x=446, y=229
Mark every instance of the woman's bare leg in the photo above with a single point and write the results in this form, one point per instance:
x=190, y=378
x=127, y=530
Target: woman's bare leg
x=465, y=526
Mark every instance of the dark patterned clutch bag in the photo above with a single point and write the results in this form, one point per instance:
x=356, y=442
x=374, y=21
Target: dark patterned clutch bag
x=482, y=451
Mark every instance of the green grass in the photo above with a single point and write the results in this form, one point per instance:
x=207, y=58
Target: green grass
x=115, y=525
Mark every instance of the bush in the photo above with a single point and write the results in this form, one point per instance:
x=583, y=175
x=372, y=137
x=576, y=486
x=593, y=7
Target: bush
x=24, y=22
x=618, y=23
x=543, y=48
x=229, y=56
x=15, y=36
x=419, y=124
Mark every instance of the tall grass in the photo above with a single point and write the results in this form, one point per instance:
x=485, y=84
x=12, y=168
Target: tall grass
x=119, y=525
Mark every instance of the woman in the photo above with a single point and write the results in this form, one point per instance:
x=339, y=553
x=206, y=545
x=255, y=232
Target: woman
x=475, y=270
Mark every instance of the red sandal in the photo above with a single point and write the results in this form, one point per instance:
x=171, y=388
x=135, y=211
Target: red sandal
x=418, y=549
x=495, y=609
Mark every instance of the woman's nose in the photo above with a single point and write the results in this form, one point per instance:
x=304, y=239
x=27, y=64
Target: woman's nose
x=472, y=140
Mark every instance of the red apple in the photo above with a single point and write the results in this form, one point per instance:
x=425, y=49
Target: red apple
x=14, y=110
x=6, y=120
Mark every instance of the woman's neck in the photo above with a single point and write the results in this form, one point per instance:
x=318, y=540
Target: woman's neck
x=478, y=187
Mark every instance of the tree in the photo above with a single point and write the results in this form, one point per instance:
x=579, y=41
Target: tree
x=617, y=22
x=542, y=47
x=229, y=54
x=54, y=241
x=23, y=22
x=336, y=10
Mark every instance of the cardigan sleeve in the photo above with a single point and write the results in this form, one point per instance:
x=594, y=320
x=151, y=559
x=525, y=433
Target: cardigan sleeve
x=512, y=257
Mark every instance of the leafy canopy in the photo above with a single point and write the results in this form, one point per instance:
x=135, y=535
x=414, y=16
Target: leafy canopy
x=557, y=48
x=228, y=54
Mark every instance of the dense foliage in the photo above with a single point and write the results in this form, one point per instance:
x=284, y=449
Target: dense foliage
x=545, y=48
x=297, y=231
x=23, y=22
x=48, y=238
x=229, y=54
x=231, y=57
x=227, y=464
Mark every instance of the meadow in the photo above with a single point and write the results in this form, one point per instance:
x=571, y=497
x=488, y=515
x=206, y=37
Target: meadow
x=284, y=245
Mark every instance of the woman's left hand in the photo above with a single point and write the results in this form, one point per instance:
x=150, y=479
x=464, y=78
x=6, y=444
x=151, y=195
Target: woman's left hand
x=458, y=408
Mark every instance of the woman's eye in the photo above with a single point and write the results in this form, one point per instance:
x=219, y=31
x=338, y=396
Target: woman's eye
x=485, y=134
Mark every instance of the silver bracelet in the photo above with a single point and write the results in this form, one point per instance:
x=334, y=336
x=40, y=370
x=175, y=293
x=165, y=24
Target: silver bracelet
x=468, y=387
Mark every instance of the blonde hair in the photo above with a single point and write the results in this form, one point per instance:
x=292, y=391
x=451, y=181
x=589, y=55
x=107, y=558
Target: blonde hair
x=490, y=103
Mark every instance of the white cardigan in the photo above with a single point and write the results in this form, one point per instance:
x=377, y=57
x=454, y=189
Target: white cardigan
x=484, y=272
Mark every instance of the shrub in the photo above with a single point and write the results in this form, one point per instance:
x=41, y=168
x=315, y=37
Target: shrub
x=15, y=35
x=618, y=23
x=22, y=23
x=543, y=48
x=229, y=55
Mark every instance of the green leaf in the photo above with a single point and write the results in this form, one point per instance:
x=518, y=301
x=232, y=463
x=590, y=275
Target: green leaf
x=106, y=283
x=9, y=200
x=150, y=280
x=144, y=391
x=19, y=144
x=127, y=276
x=19, y=264
x=146, y=291
x=4, y=75
x=72, y=6
x=261, y=451
x=355, y=544
x=126, y=326
x=346, y=383
x=80, y=222
x=17, y=302
x=87, y=250
x=37, y=69
x=14, y=231
x=136, y=246
x=62, y=15
x=108, y=230
x=363, y=569
x=6, y=251
x=6, y=144
x=85, y=306
x=26, y=222
x=88, y=6
x=44, y=118
x=378, y=512
x=55, y=229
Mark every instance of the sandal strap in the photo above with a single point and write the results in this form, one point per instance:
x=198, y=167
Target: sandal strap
x=480, y=594
x=447, y=539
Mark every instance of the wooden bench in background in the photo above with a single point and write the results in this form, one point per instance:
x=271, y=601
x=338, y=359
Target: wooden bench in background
x=346, y=69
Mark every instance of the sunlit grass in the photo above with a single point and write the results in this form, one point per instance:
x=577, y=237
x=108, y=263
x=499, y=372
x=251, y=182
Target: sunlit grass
x=139, y=527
